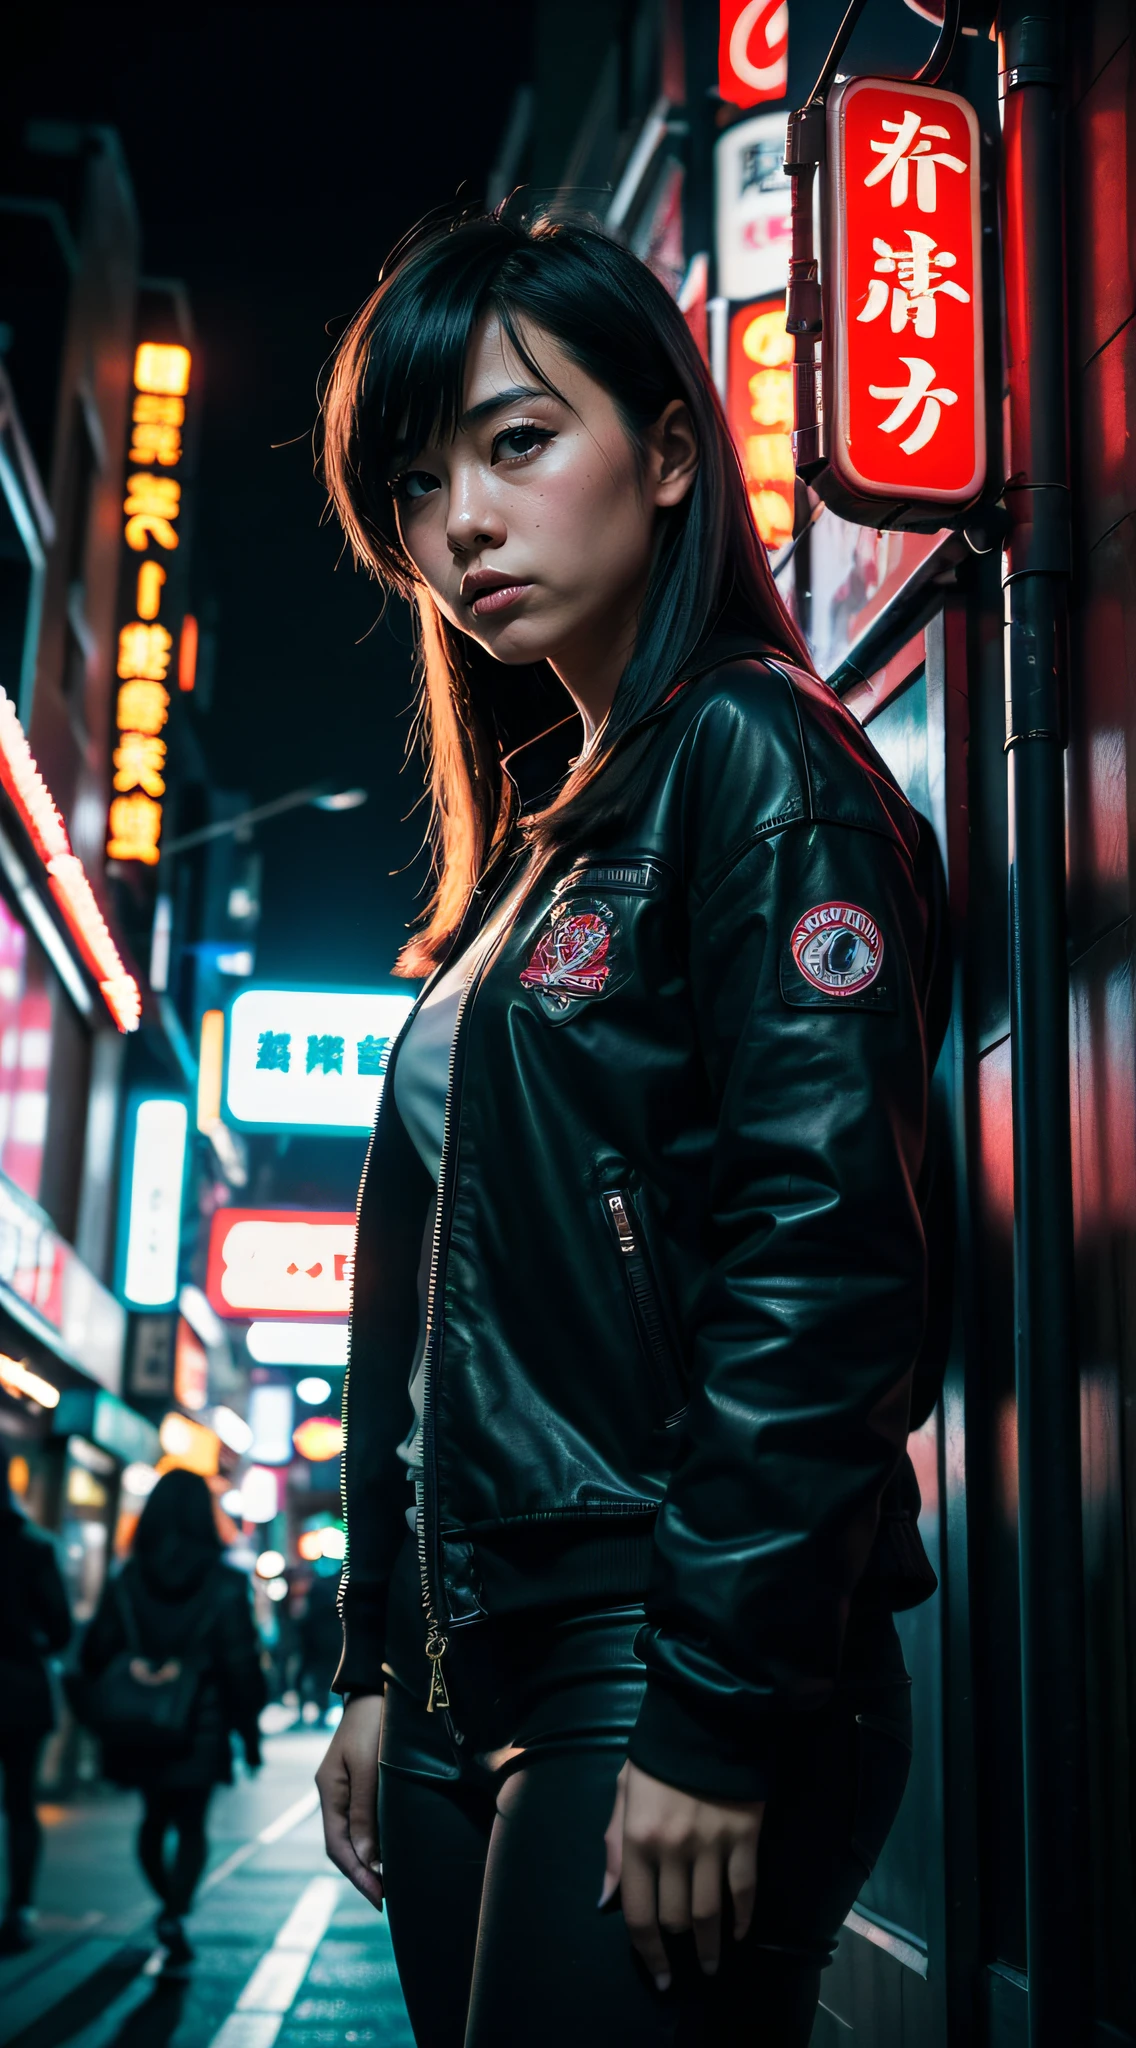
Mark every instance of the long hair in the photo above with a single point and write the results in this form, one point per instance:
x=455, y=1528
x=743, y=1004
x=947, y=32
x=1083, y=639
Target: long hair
x=397, y=379
x=179, y=1511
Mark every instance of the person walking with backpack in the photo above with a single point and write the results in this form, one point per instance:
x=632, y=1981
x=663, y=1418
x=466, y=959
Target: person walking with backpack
x=35, y=1621
x=169, y=1665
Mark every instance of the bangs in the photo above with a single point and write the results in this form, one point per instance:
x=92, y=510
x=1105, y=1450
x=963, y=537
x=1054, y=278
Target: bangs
x=399, y=377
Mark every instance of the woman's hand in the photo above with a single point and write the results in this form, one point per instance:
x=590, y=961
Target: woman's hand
x=668, y=1852
x=348, y=1783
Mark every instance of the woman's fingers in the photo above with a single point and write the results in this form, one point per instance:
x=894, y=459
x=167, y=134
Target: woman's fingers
x=706, y=1908
x=348, y=1781
x=613, y=1841
x=334, y=1801
x=741, y=1876
x=638, y=1896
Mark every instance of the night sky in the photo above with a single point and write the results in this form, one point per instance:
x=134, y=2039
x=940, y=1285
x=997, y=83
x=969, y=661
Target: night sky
x=276, y=154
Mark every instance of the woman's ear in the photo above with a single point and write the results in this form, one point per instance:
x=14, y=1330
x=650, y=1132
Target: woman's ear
x=672, y=454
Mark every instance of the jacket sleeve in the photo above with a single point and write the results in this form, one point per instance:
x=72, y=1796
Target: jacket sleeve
x=105, y=1635
x=808, y=1324
x=239, y=1672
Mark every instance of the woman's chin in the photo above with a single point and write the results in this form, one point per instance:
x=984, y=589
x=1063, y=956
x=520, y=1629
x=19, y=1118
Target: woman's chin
x=516, y=642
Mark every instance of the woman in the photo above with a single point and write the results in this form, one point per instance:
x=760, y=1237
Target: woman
x=178, y=1600
x=640, y=1267
x=35, y=1621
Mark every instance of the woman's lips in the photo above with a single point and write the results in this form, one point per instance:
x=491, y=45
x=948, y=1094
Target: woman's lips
x=498, y=600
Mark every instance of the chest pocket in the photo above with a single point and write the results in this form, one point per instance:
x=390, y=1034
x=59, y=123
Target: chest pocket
x=581, y=954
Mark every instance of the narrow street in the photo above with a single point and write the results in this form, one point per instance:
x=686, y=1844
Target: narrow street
x=285, y=1950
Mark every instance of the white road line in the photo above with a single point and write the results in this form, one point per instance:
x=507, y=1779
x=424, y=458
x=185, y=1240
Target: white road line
x=259, y=2012
x=282, y=1825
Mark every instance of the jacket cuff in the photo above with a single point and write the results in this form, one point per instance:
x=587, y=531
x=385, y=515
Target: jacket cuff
x=364, y=1635
x=679, y=1741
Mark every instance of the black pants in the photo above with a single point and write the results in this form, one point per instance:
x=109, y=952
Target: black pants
x=182, y=1814
x=19, y=1756
x=493, y=1853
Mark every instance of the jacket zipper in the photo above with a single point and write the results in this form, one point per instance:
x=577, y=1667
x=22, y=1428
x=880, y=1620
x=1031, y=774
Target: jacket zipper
x=407, y=1022
x=641, y=1286
x=437, y=1641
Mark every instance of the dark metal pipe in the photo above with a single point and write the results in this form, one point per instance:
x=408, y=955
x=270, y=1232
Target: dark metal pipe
x=1036, y=584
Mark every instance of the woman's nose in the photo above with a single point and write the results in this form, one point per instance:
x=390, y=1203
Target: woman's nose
x=473, y=521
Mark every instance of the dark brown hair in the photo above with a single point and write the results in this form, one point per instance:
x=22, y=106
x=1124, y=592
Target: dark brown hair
x=397, y=379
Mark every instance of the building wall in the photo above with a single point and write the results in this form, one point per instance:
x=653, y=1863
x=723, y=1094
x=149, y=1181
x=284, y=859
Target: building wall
x=1102, y=862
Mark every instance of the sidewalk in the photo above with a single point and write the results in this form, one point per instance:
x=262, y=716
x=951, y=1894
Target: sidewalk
x=285, y=1948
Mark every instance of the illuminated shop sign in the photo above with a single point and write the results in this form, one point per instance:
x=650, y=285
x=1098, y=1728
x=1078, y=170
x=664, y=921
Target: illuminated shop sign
x=270, y=1415
x=753, y=51
x=280, y=1343
x=903, y=364
x=281, y=1262
x=66, y=875
x=759, y=406
x=152, y=508
x=753, y=209
x=153, y=1178
x=311, y=1058
x=48, y=1289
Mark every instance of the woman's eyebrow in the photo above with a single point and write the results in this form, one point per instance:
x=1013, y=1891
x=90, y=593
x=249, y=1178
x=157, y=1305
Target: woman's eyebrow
x=495, y=404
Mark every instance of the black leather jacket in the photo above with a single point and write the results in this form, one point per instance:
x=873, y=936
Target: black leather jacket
x=680, y=1270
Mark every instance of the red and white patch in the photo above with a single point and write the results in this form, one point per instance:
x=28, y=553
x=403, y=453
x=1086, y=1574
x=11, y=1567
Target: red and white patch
x=838, y=948
x=571, y=959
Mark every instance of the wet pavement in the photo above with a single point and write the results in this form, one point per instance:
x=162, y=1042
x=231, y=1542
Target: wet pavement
x=287, y=1954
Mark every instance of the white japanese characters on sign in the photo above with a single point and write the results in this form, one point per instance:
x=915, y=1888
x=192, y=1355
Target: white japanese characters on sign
x=310, y=1058
x=904, y=400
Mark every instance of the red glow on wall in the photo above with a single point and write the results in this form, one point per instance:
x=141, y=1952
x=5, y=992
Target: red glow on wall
x=903, y=316
x=753, y=51
x=66, y=875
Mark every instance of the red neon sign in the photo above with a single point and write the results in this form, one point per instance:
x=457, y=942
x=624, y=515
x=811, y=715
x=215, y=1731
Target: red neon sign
x=753, y=51
x=281, y=1262
x=903, y=294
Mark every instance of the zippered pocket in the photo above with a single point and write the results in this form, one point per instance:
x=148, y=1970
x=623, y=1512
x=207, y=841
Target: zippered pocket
x=645, y=1305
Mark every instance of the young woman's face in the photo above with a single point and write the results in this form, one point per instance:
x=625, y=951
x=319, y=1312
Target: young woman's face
x=534, y=527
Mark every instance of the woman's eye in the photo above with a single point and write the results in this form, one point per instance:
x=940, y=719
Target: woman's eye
x=517, y=442
x=415, y=483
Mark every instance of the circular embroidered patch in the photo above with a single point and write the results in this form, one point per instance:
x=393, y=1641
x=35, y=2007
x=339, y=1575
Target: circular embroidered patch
x=838, y=948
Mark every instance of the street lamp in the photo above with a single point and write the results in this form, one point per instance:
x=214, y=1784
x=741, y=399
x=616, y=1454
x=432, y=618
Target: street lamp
x=323, y=796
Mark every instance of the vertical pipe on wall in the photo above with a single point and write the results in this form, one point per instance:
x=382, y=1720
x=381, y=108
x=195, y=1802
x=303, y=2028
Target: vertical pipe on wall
x=1036, y=579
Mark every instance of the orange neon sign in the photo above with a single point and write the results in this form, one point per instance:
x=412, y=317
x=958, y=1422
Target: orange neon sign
x=759, y=403
x=152, y=507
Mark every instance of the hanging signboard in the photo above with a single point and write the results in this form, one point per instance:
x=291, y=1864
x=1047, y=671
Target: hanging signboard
x=753, y=51
x=310, y=1058
x=753, y=209
x=281, y=1262
x=903, y=338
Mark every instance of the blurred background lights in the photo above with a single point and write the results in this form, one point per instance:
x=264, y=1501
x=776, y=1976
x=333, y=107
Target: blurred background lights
x=333, y=1542
x=313, y=1390
x=232, y=1429
x=139, y=1480
x=260, y=1495
x=277, y=1589
x=298, y=1343
x=310, y=1545
x=270, y=1564
x=319, y=1438
x=233, y=1503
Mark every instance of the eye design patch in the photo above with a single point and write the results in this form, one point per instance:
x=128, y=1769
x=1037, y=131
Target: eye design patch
x=838, y=949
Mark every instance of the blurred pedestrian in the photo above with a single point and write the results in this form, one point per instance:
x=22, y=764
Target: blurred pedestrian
x=175, y=1602
x=34, y=1621
x=321, y=1641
